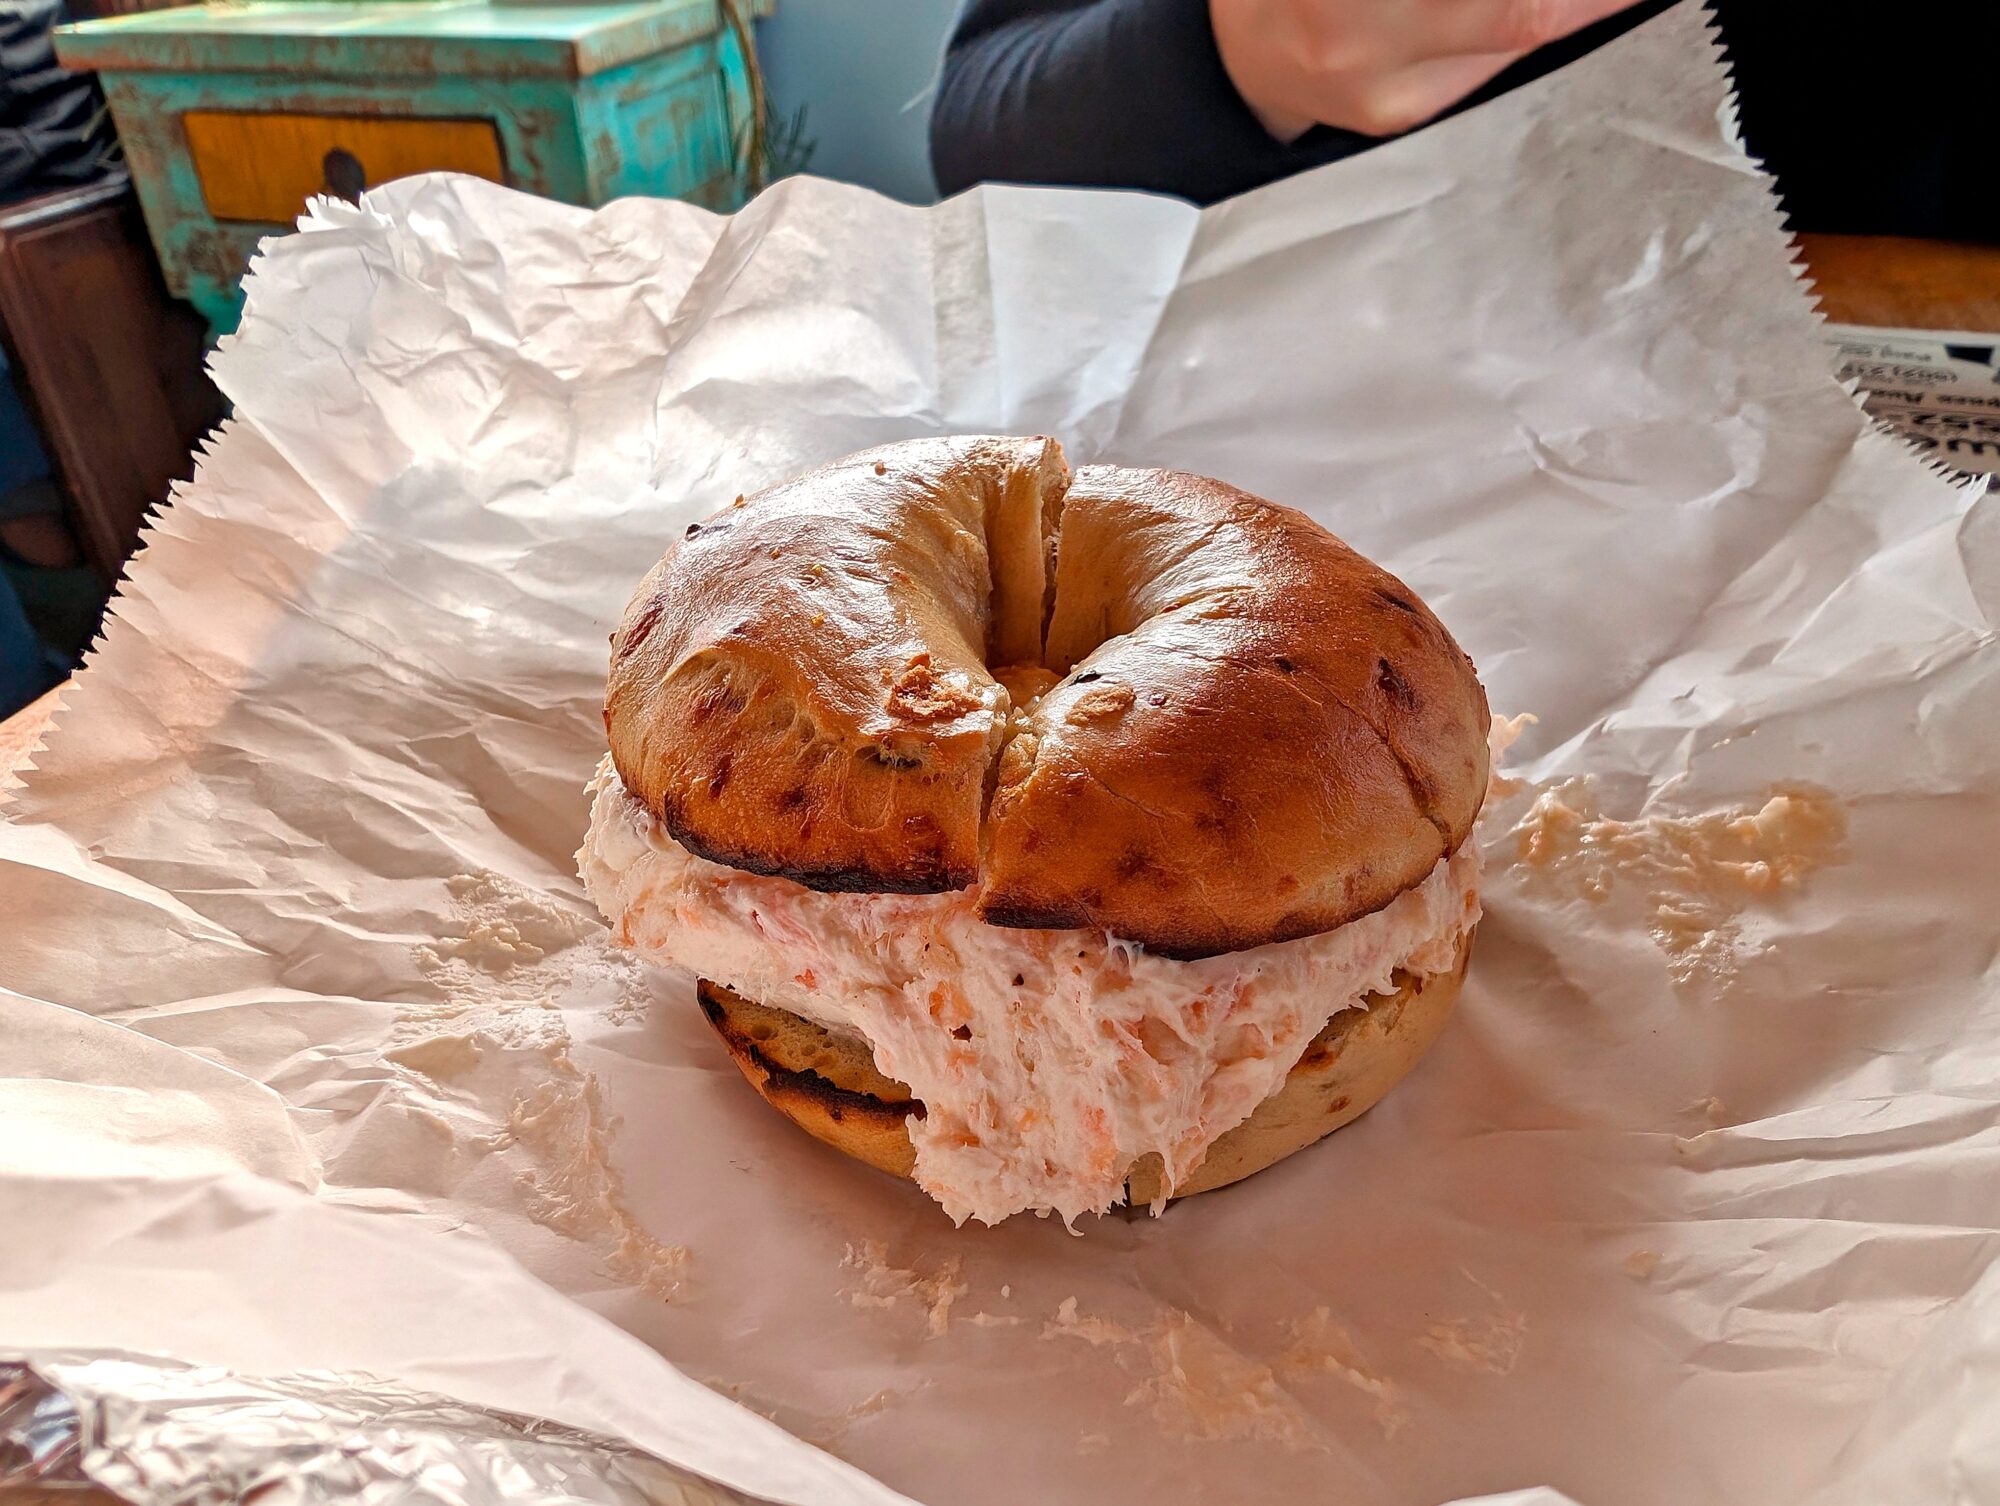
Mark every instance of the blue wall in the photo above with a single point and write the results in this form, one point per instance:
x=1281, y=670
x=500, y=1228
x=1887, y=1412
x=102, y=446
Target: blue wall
x=863, y=69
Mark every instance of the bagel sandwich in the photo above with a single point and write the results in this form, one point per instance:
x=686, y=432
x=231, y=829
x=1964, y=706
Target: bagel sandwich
x=1054, y=839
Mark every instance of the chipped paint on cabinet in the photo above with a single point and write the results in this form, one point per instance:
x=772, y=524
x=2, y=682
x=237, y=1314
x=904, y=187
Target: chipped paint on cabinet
x=589, y=102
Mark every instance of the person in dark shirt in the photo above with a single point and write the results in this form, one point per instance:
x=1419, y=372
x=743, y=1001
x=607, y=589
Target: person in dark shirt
x=1847, y=104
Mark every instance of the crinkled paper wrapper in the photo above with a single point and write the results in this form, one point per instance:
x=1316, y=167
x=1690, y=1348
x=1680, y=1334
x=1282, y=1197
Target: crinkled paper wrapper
x=320, y=1061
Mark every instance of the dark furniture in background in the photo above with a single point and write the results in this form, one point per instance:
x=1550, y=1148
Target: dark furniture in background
x=111, y=364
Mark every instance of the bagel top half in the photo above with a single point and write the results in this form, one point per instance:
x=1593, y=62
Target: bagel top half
x=1253, y=733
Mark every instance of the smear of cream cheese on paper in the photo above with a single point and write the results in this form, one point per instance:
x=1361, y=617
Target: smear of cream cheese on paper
x=498, y=977
x=1700, y=871
x=1489, y=1341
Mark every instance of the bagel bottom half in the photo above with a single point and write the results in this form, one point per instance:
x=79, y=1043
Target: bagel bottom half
x=828, y=1086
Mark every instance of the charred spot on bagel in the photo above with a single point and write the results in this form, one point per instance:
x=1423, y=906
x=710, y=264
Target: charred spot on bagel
x=1183, y=944
x=635, y=632
x=1401, y=603
x=711, y=1004
x=1027, y=914
x=923, y=872
x=836, y=1102
x=779, y=1042
x=718, y=780
x=1219, y=784
x=1135, y=862
x=1394, y=686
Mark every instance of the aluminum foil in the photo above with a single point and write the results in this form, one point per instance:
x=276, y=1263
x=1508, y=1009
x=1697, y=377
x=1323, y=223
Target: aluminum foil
x=156, y=1432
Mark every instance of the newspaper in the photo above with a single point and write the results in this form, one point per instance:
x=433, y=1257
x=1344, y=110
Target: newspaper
x=1938, y=389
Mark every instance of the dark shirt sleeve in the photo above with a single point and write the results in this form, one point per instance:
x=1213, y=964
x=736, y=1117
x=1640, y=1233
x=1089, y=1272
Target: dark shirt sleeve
x=1133, y=94
x=1097, y=93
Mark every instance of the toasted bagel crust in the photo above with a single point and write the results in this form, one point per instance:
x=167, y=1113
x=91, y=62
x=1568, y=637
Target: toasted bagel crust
x=1259, y=735
x=830, y=1088
x=800, y=687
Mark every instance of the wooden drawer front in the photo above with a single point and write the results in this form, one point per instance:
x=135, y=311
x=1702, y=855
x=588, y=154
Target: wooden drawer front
x=264, y=167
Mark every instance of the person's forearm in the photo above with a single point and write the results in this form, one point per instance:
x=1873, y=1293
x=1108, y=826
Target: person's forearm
x=1130, y=93
x=1380, y=67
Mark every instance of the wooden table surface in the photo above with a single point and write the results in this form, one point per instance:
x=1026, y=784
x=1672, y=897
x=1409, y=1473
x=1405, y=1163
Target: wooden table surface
x=1862, y=279
x=1892, y=283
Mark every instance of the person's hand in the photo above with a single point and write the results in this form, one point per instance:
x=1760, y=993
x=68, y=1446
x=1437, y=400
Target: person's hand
x=1379, y=66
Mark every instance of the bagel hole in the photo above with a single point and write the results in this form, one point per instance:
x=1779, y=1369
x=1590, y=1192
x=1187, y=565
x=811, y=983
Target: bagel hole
x=1023, y=495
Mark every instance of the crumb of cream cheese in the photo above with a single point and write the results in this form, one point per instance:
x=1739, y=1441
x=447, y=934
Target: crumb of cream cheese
x=1203, y=1389
x=572, y=1187
x=1195, y=1384
x=1699, y=873
x=883, y=1285
x=1487, y=1341
x=1490, y=1342
x=494, y=1020
x=1094, y=1331
x=1501, y=735
x=1319, y=1345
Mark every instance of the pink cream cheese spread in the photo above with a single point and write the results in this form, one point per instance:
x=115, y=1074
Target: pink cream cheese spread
x=1047, y=1061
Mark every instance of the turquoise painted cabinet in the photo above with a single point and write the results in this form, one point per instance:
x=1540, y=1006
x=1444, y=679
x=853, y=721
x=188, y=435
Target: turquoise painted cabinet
x=232, y=113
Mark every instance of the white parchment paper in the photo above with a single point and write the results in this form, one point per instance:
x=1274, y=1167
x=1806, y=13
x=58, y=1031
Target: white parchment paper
x=316, y=1055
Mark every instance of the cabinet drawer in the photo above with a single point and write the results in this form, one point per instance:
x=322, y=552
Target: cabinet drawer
x=263, y=167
